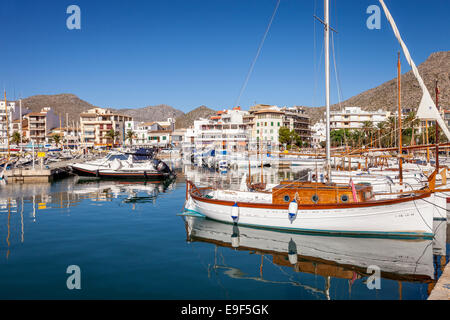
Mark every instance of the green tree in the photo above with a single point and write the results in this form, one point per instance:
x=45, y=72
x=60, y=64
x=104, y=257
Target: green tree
x=130, y=136
x=367, y=130
x=57, y=139
x=111, y=134
x=337, y=137
x=356, y=137
x=380, y=128
x=411, y=122
x=15, y=138
x=284, y=135
x=289, y=137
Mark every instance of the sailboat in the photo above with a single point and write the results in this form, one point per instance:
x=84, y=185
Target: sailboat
x=327, y=207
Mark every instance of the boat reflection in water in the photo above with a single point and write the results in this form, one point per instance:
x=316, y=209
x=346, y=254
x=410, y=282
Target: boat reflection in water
x=327, y=256
x=17, y=200
x=134, y=191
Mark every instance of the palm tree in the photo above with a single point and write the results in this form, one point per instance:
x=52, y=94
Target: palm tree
x=130, y=136
x=57, y=139
x=337, y=137
x=367, y=128
x=412, y=122
x=111, y=134
x=15, y=138
x=380, y=127
x=356, y=136
x=391, y=126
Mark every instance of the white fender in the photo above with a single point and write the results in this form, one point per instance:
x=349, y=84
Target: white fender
x=292, y=258
x=235, y=212
x=293, y=209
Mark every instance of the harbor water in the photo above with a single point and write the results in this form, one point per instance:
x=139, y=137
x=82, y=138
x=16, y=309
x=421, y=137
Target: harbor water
x=130, y=241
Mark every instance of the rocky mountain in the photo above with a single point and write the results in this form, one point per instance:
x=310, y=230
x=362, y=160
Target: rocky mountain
x=70, y=104
x=60, y=103
x=436, y=67
x=187, y=119
x=152, y=113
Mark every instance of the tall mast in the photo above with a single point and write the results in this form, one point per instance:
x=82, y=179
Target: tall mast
x=67, y=131
x=327, y=86
x=436, y=89
x=21, y=124
x=7, y=125
x=400, y=154
x=261, y=157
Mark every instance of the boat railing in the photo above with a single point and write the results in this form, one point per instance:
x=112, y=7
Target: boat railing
x=191, y=188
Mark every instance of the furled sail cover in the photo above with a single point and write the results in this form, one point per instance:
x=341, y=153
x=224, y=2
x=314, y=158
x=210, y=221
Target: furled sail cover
x=427, y=109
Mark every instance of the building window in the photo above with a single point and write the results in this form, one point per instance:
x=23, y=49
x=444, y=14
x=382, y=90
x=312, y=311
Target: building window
x=164, y=138
x=271, y=124
x=278, y=124
x=257, y=124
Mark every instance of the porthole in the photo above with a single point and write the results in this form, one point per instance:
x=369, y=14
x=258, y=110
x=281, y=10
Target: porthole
x=315, y=198
x=287, y=198
x=344, y=198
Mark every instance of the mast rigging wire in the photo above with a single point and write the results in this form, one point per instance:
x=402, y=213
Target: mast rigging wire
x=247, y=78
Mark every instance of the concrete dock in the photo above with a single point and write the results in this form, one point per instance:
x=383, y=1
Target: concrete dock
x=441, y=290
x=45, y=173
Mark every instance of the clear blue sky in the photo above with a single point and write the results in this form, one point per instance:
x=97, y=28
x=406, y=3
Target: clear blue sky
x=186, y=53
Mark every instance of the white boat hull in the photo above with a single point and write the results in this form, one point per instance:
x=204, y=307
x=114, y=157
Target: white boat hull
x=413, y=218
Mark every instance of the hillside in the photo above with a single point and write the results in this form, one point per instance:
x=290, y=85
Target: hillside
x=436, y=67
x=60, y=103
x=73, y=106
x=187, y=119
x=152, y=113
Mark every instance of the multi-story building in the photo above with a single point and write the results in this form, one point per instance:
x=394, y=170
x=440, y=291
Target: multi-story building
x=295, y=118
x=354, y=117
x=318, y=134
x=40, y=124
x=10, y=113
x=267, y=125
x=445, y=113
x=156, y=133
x=224, y=132
x=69, y=136
x=264, y=122
x=177, y=137
x=21, y=126
x=97, y=122
x=237, y=130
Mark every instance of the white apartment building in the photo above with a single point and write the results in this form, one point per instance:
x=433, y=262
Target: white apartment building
x=224, y=132
x=151, y=134
x=70, y=136
x=354, y=117
x=12, y=109
x=97, y=122
x=40, y=124
x=318, y=134
x=267, y=124
x=265, y=121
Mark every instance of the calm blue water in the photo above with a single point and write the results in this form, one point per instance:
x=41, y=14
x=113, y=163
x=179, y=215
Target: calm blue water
x=130, y=243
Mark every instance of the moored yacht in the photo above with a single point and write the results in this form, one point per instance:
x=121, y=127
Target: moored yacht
x=119, y=165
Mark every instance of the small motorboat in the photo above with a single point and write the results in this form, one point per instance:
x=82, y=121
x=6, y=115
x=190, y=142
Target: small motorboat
x=119, y=165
